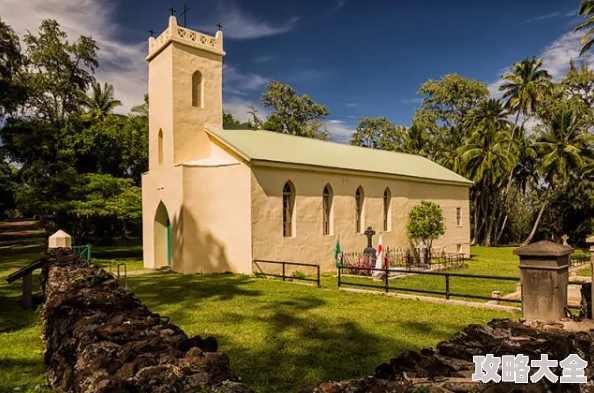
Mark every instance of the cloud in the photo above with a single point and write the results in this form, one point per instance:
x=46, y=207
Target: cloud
x=241, y=26
x=543, y=17
x=337, y=6
x=239, y=106
x=239, y=83
x=340, y=131
x=556, y=57
x=351, y=104
x=121, y=63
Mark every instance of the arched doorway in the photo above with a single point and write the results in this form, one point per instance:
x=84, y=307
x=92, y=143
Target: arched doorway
x=162, y=237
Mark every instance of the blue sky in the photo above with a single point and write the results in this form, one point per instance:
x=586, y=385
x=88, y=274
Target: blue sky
x=357, y=57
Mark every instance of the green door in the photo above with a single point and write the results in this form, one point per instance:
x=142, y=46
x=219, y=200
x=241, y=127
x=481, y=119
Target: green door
x=168, y=243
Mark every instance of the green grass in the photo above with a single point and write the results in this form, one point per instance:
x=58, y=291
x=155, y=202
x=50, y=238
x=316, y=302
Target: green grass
x=495, y=261
x=280, y=337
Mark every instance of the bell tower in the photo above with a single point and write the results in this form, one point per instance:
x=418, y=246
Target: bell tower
x=185, y=93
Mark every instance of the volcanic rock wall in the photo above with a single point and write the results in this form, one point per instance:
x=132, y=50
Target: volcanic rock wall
x=449, y=368
x=100, y=338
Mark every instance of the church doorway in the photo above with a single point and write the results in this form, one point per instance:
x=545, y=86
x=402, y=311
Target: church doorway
x=162, y=237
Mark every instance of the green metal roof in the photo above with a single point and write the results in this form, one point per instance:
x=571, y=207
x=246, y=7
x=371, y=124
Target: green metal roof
x=289, y=149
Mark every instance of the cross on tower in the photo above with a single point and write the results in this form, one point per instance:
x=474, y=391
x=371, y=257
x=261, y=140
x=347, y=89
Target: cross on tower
x=172, y=10
x=152, y=32
x=220, y=26
x=184, y=12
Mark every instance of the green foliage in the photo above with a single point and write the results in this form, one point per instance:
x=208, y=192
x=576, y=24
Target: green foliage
x=425, y=223
x=100, y=103
x=12, y=91
x=229, y=122
x=298, y=274
x=293, y=114
x=378, y=133
x=587, y=10
x=8, y=182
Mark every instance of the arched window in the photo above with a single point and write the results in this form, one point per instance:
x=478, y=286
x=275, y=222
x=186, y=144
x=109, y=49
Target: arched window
x=359, y=199
x=288, y=209
x=160, y=147
x=197, y=93
x=327, y=210
x=387, y=210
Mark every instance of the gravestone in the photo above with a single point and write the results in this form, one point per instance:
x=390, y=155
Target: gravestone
x=369, y=251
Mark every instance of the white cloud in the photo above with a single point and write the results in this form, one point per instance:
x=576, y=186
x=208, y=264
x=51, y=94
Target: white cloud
x=238, y=107
x=544, y=17
x=556, y=57
x=340, y=131
x=263, y=59
x=338, y=6
x=121, y=64
x=239, y=25
x=239, y=83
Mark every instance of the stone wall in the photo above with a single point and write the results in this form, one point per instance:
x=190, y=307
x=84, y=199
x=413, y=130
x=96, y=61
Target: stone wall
x=449, y=367
x=99, y=337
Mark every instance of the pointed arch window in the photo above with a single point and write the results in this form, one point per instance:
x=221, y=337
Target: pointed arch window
x=359, y=200
x=387, y=210
x=327, y=196
x=197, y=90
x=288, y=209
x=160, y=147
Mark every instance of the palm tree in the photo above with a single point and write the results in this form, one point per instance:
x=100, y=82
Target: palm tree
x=586, y=9
x=101, y=102
x=142, y=110
x=486, y=161
x=563, y=149
x=523, y=87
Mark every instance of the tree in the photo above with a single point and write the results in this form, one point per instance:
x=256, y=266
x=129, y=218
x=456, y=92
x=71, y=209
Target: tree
x=486, y=162
x=378, y=133
x=12, y=92
x=523, y=87
x=230, y=122
x=563, y=148
x=141, y=110
x=56, y=71
x=293, y=114
x=425, y=223
x=101, y=102
x=587, y=10
x=8, y=183
x=446, y=104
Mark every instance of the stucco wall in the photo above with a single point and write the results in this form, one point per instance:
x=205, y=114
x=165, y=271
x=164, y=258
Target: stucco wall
x=309, y=244
x=216, y=220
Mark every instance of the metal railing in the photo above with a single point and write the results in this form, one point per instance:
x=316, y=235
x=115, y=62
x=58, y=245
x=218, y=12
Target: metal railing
x=446, y=292
x=578, y=259
x=292, y=277
x=84, y=251
x=405, y=258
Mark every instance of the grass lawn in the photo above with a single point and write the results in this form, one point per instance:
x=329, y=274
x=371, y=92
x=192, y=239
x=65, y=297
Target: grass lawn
x=280, y=337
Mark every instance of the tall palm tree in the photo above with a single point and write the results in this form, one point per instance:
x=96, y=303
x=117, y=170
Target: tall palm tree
x=141, y=110
x=523, y=87
x=101, y=102
x=564, y=148
x=486, y=161
x=587, y=10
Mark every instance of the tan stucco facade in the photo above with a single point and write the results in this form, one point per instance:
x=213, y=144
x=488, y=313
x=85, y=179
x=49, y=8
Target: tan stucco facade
x=221, y=211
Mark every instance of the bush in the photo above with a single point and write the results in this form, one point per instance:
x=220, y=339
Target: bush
x=425, y=224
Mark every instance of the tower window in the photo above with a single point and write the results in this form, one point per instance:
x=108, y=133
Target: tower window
x=459, y=216
x=160, y=147
x=359, y=199
x=288, y=209
x=326, y=209
x=197, y=93
x=387, y=215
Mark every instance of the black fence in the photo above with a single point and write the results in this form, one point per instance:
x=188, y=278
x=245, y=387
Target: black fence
x=447, y=293
x=403, y=258
x=284, y=270
x=579, y=259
